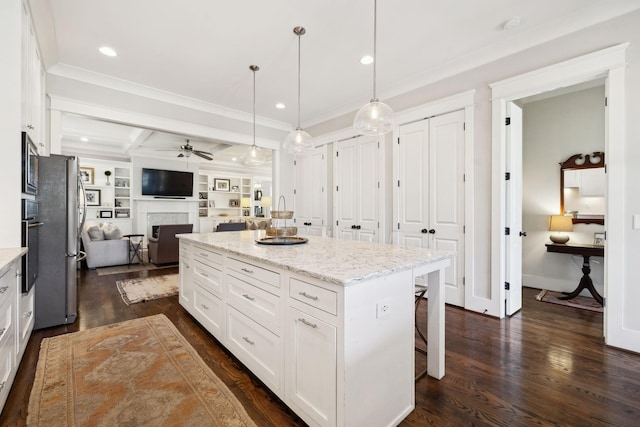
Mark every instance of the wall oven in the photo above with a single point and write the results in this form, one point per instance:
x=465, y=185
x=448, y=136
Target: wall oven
x=30, y=240
x=29, y=165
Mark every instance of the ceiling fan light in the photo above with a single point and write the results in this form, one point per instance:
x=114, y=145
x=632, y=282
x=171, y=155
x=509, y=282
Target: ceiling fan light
x=374, y=118
x=297, y=141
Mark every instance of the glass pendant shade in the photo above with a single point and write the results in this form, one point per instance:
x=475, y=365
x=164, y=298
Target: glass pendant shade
x=297, y=141
x=374, y=118
x=253, y=156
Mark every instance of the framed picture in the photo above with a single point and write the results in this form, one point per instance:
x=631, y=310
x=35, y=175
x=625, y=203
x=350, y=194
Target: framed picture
x=86, y=175
x=598, y=239
x=106, y=214
x=234, y=203
x=235, y=188
x=93, y=197
x=221, y=184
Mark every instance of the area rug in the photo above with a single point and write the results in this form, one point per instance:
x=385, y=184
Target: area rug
x=585, y=303
x=141, y=372
x=148, y=288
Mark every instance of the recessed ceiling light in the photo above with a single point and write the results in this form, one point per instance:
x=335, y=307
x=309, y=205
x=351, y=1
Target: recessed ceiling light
x=84, y=139
x=366, y=60
x=235, y=159
x=106, y=50
x=512, y=22
x=280, y=106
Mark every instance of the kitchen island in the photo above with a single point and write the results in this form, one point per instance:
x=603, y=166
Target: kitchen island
x=326, y=325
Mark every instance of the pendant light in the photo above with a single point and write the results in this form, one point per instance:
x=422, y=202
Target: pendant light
x=375, y=118
x=254, y=156
x=297, y=140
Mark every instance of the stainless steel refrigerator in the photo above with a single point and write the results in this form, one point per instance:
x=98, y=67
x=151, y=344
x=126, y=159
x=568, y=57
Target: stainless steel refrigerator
x=56, y=289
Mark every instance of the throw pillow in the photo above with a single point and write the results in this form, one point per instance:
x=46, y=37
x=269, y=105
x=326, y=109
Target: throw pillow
x=112, y=232
x=252, y=225
x=95, y=233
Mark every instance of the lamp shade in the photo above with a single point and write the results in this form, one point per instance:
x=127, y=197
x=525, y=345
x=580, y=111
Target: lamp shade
x=560, y=223
x=375, y=118
x=265, y=201
x=245, y=202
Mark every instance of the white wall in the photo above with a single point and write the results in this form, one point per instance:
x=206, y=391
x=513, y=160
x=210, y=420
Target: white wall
x=554, y=129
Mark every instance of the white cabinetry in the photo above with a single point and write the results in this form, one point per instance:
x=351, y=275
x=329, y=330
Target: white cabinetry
x=321, y=347
x=310, y=195
x=429, y=178
x=16, y=319
x=32, y=85
x=357, y=187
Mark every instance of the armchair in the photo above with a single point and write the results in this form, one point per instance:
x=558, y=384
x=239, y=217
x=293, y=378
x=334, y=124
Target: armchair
x=164, y=248
x=103, y=252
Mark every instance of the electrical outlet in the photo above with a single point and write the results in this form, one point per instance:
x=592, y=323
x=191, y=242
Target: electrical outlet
x=382, y=309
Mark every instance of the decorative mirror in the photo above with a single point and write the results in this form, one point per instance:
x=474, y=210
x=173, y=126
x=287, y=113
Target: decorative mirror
x=582, y=188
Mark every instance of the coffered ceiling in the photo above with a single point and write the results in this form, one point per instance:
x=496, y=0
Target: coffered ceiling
x=201, y=49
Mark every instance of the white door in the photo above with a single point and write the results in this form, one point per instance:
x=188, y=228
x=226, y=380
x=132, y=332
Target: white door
x=513, y=214
x=430, y=185
x=356, y=189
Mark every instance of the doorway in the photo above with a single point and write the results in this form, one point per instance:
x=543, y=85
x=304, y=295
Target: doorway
x=610, y=65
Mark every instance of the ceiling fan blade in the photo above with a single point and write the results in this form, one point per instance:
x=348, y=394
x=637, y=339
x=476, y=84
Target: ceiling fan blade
x=202, y=154
x=180, y=155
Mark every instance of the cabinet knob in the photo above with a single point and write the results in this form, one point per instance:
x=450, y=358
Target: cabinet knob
x=353, y=227
x=432, y=231
x=358, y=227
x=424, y=231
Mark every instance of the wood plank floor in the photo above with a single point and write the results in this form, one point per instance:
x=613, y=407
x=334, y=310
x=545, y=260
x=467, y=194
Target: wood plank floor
x=547, y=365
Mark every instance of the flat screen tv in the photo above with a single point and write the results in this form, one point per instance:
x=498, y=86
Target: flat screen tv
x=166, y=183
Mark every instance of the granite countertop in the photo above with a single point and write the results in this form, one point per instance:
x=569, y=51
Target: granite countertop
x=333, y=260
x=8, y=255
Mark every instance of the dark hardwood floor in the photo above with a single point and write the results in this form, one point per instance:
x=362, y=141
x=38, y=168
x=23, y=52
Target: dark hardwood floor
x=547, y=365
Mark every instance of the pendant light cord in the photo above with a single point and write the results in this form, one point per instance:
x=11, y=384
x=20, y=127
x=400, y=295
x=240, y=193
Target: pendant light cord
x=254, y=107
x=299, y=36
x=375, y=16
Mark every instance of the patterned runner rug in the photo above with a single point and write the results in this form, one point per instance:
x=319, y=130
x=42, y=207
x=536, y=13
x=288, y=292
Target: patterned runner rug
x=585, y=303
x=148, y=288
x=141, y=372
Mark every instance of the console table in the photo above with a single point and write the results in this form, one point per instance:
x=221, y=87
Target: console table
x=586, y=251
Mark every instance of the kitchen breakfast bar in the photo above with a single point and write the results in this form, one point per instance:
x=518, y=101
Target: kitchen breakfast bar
x=327, y=325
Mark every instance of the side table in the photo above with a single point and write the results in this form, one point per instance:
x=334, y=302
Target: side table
x=586, y=251
x=135, y=247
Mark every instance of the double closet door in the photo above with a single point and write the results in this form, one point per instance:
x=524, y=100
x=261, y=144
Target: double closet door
x=356, y=176
x=429, y=181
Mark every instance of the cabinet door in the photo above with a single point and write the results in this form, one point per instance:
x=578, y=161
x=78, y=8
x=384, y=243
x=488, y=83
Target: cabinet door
x=311, y=367
x=310, y=183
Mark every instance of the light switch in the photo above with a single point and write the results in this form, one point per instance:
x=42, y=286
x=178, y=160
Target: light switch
x=636, y=222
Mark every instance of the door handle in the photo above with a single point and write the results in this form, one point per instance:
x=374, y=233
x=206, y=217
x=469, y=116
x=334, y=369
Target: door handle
x=432, y=231
x=523, y=234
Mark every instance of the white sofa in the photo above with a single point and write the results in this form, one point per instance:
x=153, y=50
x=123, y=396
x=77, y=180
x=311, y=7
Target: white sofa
x=104, y=252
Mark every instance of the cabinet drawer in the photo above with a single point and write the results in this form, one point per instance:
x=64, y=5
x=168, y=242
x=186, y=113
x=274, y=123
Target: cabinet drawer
x=6, y=321
x=314, y=296
x=208, y=309
x=256, y=347
x=26, y=316
x=8, y=284
x=208, y=277
x=207, y=256
x=271, y=278
x=261, y=306
x=6, y=370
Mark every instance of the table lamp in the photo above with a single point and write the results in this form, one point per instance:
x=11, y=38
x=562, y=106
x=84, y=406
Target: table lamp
x=265, y=202
x=559, y=225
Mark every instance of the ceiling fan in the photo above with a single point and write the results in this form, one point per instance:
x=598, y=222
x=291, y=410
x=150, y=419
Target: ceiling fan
x=187, y=150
